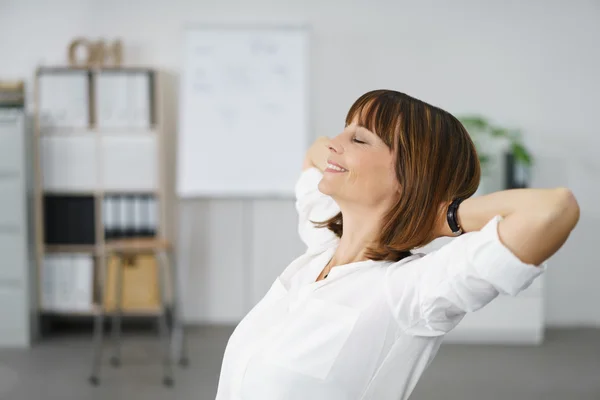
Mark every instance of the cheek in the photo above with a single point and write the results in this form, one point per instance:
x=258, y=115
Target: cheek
x=373, y=173
x=388, y=179
x=378, y=175
x=392, y=179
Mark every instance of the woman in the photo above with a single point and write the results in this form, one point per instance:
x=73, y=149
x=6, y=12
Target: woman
x=359, y=315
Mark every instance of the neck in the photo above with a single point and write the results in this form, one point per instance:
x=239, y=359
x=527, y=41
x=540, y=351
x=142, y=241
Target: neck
x=361, y=228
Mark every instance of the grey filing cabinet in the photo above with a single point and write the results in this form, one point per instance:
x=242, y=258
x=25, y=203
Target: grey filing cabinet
x=18, y=294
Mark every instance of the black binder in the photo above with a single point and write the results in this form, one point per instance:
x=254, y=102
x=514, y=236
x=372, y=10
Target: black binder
x=69, y=219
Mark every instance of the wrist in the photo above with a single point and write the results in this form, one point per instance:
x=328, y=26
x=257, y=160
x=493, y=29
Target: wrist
x=472, y=214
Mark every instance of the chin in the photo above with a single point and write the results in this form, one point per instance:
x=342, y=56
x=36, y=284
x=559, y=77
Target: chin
x=327, y=187
x=324, y=187
x=332, y=190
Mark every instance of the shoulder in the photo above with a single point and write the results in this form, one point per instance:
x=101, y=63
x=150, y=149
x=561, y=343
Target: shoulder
x=408, y=263
x=446, y=249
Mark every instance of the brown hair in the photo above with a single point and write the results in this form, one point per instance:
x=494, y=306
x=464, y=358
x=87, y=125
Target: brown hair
x=436, y=162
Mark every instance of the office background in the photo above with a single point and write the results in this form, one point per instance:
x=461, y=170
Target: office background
x=533, y=65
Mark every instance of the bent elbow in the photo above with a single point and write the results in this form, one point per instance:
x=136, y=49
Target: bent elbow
x=566, y=208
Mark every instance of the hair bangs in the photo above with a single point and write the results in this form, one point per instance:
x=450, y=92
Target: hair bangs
x=378, y=112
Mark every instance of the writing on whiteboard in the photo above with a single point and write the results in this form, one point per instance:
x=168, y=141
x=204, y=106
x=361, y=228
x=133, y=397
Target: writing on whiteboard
x=244, y=96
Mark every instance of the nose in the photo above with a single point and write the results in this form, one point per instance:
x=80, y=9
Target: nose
x=335, y=146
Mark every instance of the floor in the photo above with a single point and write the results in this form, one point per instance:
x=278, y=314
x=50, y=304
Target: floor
x=567, y=366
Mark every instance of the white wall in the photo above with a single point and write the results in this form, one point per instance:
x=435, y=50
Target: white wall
x=532, y=65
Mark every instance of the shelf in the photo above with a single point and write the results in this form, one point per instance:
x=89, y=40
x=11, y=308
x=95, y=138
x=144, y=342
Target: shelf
x=119, y=131
x=65, y=131
x=71, y=192
x=100, y=193
x=60, y=69
x=116, y=192
x=107, y=68
x=92, y=311
x=137, y=313
x=50, y=69
x=81, y=313
x=105, y=131
x=71, y=248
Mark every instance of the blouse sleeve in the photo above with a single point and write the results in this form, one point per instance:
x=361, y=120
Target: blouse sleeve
x=312, y=205
x=430, y=296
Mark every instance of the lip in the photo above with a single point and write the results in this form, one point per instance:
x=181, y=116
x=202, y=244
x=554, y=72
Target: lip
x=337, y=165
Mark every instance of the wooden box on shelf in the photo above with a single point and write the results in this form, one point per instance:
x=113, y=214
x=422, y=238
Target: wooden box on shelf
x=140, y=292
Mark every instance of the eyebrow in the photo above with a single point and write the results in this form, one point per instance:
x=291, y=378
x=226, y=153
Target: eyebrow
x=367, y=130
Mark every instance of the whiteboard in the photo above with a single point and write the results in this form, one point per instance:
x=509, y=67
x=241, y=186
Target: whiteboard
x=243, y=122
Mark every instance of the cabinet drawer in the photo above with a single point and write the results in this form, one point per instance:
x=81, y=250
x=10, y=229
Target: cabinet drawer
x=11, y=148
x=12, y=204
x=14, y=262
x=14, y=329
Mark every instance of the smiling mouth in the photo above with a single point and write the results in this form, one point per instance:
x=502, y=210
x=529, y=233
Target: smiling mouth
x=333, y=167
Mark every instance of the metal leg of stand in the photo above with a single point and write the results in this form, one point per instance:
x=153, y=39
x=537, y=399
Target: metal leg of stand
x=98, y=331
x=118, y=313
x=179, y=339
x=163, y=328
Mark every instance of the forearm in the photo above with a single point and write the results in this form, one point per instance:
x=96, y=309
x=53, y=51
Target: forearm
x=536, y=222
x=475, y=212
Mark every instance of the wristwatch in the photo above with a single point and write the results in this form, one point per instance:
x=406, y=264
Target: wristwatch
x=452, y=217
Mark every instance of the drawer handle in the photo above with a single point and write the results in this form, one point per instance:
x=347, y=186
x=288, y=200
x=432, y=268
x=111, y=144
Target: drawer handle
x=9, y=174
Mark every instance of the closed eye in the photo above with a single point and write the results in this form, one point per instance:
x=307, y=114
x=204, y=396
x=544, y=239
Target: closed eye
x=358, y=141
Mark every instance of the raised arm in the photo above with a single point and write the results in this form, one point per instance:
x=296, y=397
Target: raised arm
x=316, y=156
x=311, y=204
x=509, y=236
x=535, y=223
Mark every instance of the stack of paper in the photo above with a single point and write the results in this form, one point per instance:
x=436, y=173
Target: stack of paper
x=67, y=282
x=123, y=100
x=64, y=100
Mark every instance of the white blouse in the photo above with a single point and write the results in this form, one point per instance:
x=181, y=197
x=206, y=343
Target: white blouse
x=371, y=328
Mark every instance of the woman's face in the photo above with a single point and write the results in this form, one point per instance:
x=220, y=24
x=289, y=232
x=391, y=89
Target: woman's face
x=361, y=169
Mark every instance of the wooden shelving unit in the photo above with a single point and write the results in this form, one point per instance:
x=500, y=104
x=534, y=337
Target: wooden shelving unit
x=115, y=150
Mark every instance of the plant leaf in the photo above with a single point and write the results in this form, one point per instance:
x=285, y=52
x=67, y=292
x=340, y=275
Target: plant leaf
x=521, y=154
x=498, y=132
x=474, y=122
x=515, y=135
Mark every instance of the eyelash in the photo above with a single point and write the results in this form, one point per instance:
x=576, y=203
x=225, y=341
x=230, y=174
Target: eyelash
x=358, y=141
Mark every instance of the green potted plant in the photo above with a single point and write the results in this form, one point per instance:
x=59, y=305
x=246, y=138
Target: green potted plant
x=517, y=157
x=478, y=127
